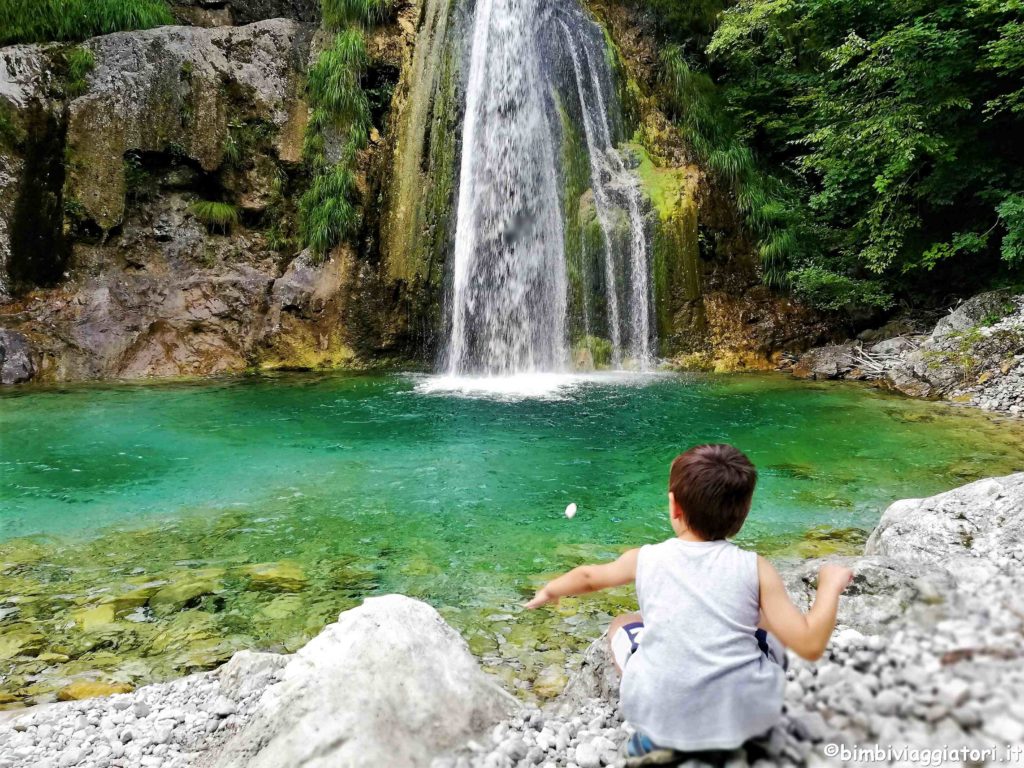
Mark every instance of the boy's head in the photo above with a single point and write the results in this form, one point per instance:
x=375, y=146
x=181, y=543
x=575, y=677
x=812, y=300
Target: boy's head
x=713, y=486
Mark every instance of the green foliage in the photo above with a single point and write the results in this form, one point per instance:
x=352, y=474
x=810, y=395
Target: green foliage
x=769, y=206
x=343, y=13
x=78, y=63
x=10, y=134
x=39, y=21
x=335, y=85
x=600, y=350
x=867, y=142
x=327, y=211
x=244, y=139
x=215, y=215
x=834, y=291
x=1011, y=214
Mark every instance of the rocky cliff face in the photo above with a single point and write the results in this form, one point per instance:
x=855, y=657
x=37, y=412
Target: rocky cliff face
x=147, y=207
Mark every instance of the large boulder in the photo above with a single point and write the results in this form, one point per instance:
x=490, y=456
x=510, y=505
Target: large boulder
x=973, y=312
x=885, y=590
x=969, y=531
x=389, y=684
x=829, y=362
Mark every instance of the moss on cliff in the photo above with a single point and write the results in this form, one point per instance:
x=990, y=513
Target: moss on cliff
x=675, y=263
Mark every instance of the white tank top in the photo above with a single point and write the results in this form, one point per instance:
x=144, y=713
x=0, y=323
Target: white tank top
x=699, y=680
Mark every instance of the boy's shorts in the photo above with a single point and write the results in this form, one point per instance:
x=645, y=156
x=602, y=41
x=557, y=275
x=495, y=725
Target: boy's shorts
x=626, y=641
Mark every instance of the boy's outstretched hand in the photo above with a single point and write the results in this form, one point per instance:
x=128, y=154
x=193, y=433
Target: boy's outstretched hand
x=543, y=597
x=833, y=579
x=587, y=578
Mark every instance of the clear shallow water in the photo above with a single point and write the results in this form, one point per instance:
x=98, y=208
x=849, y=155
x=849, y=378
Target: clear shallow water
x=370, y=484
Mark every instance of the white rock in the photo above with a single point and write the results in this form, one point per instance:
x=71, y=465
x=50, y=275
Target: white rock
x=399, y=684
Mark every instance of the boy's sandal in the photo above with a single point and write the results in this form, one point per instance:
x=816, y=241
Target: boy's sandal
x=657, y=757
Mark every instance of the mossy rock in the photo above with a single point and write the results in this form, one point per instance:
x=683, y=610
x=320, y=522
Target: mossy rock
x=23, y=640
x=824, y=542
x=89, y=689
x=184, y=629
x=53, y=658
x=550, y=682
x=179, y=594
x=275, y=577
x=282, y=607
x=91, y=619
x=136, y=598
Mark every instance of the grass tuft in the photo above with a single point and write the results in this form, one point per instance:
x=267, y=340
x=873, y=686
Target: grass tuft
x=328, y=214
x=342, y=13
x=215, y=215
x=41, y=21
x=79, y=62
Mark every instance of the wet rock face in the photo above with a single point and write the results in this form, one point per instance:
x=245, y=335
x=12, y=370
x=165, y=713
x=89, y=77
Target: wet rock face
x=135, y=281
x=177, y=91
x=16, y=364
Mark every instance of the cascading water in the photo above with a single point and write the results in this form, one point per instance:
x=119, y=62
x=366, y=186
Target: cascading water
x=508, y=309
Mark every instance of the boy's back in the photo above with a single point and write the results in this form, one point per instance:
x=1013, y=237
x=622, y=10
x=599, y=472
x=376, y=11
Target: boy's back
x=698, y=673
x=699, y=680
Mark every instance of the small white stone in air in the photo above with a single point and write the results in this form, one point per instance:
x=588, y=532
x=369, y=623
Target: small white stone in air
x=570, y=511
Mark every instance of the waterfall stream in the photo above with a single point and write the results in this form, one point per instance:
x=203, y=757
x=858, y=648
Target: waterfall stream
x=531, y=62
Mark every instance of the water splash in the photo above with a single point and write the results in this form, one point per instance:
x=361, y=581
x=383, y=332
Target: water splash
x=509, y=298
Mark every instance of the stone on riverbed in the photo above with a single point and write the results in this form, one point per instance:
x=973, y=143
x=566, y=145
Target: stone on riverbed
x=389, y=684
x=89, y=689
x=276, y=577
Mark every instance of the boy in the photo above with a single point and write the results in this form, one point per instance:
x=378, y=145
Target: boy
x=699, y=672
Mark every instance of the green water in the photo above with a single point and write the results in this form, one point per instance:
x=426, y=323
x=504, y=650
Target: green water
x=345, y=486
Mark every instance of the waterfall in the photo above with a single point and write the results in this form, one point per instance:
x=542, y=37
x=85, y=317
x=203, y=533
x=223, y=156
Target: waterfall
x=508, y=307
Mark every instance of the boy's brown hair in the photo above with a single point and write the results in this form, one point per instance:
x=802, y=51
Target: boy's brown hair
x=714, y=484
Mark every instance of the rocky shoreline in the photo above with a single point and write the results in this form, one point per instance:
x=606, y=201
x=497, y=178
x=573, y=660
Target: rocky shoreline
x=927, y=655
x=974, y=355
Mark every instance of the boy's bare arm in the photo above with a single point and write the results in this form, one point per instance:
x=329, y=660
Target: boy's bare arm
x=806, y=633
x=588, y=578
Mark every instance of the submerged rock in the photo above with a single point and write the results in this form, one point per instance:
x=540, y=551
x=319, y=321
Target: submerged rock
x=275, y=577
